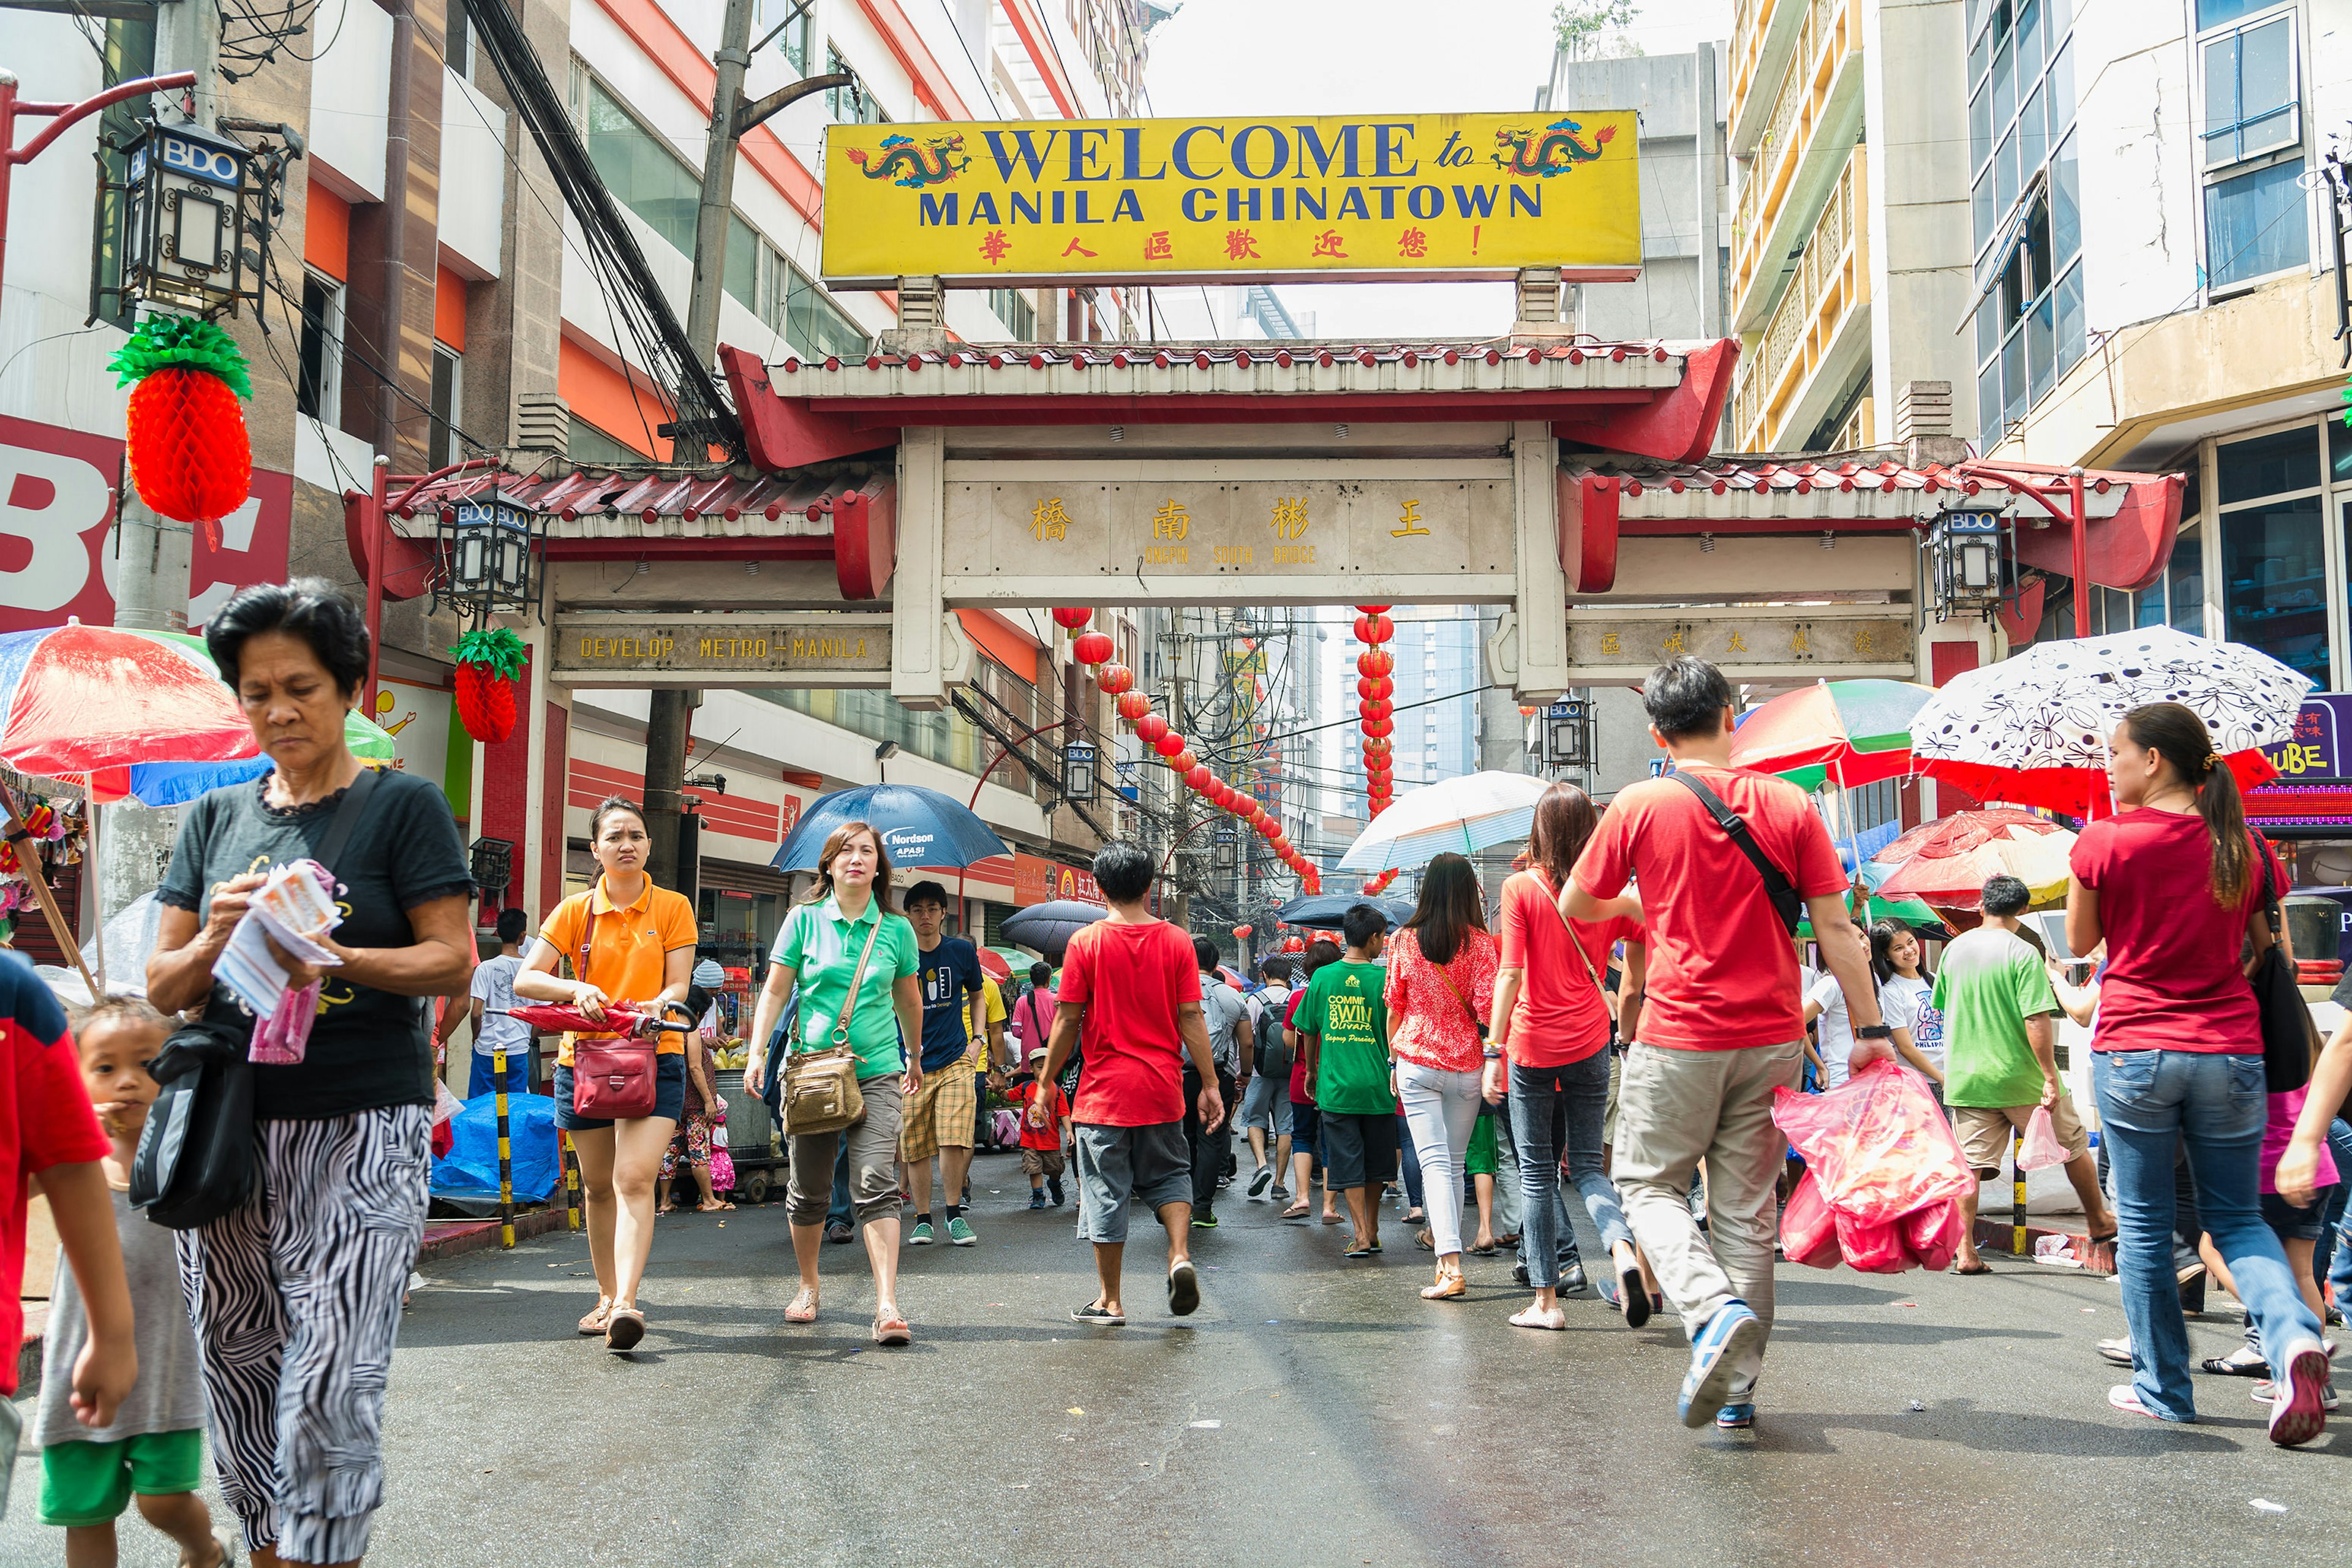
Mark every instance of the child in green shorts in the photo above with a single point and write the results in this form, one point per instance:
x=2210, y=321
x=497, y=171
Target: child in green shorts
x=154, y=1447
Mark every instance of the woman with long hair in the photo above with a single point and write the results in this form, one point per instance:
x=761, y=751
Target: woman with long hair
x=1906, y=989
x=1441, y=982
x=631, y=943
x=1550, y=1045
x=854, y=964
x=2175, y=885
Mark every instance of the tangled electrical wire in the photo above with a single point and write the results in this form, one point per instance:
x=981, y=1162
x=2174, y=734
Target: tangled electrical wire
x=253, y=34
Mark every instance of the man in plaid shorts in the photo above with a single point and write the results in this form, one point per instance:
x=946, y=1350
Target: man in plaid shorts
x=938, y=1117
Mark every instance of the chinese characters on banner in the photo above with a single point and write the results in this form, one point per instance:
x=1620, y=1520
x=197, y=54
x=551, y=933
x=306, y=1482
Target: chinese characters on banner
x=1822, y=644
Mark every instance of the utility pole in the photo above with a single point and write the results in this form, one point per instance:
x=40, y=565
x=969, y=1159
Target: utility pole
x=154, y=554
x=670, y=713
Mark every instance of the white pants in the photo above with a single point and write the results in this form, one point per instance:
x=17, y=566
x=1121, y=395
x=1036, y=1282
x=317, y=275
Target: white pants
x=1439, y=1109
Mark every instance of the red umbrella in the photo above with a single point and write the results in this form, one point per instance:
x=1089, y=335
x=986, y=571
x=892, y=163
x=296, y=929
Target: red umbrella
x=2077, y=792
x=1947, y=863
x=992, y=965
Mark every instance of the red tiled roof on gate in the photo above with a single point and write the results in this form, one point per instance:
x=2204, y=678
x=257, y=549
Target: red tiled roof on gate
x=685, y=495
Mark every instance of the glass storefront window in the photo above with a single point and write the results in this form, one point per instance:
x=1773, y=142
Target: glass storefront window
x=2269, y=465
x=2274, y=564
x=2185, y=577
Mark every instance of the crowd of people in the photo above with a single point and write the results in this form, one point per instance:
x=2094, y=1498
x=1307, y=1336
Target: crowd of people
x=1618, y=1028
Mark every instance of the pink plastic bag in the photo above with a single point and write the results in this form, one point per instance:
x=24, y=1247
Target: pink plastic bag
x=1808, y=1230
x=2041, y=1149
x=1877, y=1143
x=1872, y=1246
x=1932, y=1235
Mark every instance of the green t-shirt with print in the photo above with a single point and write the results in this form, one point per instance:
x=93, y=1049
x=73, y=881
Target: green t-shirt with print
x=1344, y=1005
x=820, y=949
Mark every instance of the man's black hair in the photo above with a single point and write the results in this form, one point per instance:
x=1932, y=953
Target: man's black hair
x=2005, y=895
x=1206, y=952
x=1276, y=969
x=1361, y=924
x=1123, y=871
x=1687, y=695
x=1040, y=972
x=512, y=924
x=925, y=893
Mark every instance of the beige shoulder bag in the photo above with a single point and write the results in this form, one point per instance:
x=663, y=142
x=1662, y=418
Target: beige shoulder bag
x=821, y=1092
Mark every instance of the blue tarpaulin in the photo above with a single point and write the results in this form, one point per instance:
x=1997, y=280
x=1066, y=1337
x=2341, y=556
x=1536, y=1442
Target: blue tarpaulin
x=471, y=1167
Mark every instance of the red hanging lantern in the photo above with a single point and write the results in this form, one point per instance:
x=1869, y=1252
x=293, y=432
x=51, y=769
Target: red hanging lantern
x=1199, y=776
x=1525, y=711
x=184, y=431
x=1184, y=762
x=1149, y=728
x=1092, y=647
x=1295, y=945
x=489, y=665
x=1240, y=933
x=1376, y=686
x=1372, y=609
x=1169, y=745
x=1133, y=706
x=1114, y=679
x=1374, y=628
x=1374, y=707
x=1375, y=661
x=1380, y=729
x=1071, y=617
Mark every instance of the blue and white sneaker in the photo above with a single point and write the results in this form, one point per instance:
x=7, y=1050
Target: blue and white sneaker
x=1725, y=1341
x=1736, y=1418
x=921, y=1235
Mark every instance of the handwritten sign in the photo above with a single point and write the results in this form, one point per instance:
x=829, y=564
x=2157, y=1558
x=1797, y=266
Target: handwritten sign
x=757, y=650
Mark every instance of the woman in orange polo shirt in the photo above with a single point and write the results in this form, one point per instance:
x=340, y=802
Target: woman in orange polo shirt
x=633, y=942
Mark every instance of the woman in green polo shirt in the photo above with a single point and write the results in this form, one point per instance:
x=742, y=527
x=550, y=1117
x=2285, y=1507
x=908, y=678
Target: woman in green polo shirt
x=818, y=953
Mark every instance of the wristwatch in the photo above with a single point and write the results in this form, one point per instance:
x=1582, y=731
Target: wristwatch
x=1874, y=1032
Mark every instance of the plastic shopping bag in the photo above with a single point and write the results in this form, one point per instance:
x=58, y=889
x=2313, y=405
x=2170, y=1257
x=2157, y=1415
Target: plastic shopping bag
x=445, y=1106
x=1808, y=1230
x=1932, y=1235
x=2041, y=1149
x=1872, y=1246
x=1877, y=1143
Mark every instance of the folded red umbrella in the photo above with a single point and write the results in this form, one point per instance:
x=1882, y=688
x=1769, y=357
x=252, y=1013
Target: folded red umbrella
x=619, y=1019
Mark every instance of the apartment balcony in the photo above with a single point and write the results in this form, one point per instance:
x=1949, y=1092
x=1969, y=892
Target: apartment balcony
x=1808, y=352
x=1763, y=36
x=1816, y=119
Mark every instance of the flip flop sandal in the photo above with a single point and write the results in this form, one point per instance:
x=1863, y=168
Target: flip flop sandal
x=1296, y=1211
x=802, y=1309
x=1981, y=1267
x=1376, y=1247
x=2231, y=1366
x=1485, y=1251
x=1357, y=1249
x=593, y=1323
x=623, y=1330
x=892, y=1330
x=1423, y=1240
x=1633, y=1300
x=1332, y=1218
x=1510, y=1240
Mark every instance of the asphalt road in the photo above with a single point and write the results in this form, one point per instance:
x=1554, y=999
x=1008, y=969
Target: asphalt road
x=1314, y=1412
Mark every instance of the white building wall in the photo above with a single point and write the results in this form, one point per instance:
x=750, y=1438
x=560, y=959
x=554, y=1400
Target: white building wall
x=2139, y=176
x=351, y=93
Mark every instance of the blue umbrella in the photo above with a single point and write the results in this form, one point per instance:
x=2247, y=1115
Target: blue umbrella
x=1047, y=927
x=1324, y=912
x=918, y=828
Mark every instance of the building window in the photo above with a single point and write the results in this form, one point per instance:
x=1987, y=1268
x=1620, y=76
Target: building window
x=457, y=41
x=792, y=17
x=2252, y=155
x=848, y=108
x=1014, y=308
x=319, y=352
x=2274, y=556
x=640, y=168
x=2025, y=205
x=586, y=444
x=449, y=390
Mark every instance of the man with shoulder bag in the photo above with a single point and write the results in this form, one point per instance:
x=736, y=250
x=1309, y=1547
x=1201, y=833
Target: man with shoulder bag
x=1265, y=1080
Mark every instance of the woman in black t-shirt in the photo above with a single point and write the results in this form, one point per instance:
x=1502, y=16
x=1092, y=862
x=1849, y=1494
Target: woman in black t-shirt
x=296, y=1296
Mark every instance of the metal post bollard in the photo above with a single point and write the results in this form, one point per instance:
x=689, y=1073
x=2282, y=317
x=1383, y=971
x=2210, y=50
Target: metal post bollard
x=506, y=1154
x=2017, y=1215
x=571, y=1181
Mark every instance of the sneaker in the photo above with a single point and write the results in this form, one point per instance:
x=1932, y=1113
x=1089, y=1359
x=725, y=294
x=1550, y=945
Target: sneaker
x=2300, y=1414
x=2124, y=1396
x=1277, y=1192
x=1054, y=1185
x=838, y=1233
x=1204, y=1219
x=2118, y=1350
x=1722, y=1342
x=1093, y=1312
x=959, y=1234
x=1571, y=1279
x=1259, y=1183
x=2266, y=1393
x=1183, y=1289
x=1735, y=1417
x=921, y=1235
x=1036, y=1200
x=1223, y=1182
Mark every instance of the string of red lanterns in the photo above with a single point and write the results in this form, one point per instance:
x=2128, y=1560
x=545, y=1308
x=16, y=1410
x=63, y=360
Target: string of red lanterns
x=1376, y=705
x=1093, y=649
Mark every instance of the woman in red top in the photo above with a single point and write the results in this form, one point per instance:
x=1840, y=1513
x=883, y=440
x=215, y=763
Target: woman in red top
x=1551, y=1021
x=1441, y=982
x=2176, y=886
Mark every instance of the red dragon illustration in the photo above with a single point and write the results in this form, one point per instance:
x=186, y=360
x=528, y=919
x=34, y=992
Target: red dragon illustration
x=1560, y=148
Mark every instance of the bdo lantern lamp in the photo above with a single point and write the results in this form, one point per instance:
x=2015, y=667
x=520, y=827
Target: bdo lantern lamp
x=489, y=544
x=1078, y=770
x=196, y=220
x=1965, y=562
x=1567, y=734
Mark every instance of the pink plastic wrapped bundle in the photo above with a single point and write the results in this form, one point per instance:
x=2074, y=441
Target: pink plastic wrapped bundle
x=1871, y=1246
x=1932, y=1235
x=1877, y=1143
x=1808, y=1229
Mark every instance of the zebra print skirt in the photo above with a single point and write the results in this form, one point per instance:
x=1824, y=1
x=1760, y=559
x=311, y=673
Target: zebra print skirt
x=296, y=1303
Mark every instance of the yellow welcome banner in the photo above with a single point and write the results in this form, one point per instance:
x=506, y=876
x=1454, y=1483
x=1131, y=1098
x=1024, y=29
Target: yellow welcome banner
x=1328, y=197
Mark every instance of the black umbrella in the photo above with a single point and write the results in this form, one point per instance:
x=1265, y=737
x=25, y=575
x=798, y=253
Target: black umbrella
x=1047, y=927
x=1324, y=912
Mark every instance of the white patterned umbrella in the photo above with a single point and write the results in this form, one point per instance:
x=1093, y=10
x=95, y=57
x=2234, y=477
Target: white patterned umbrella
x=2033, y=728
x=1464, y=815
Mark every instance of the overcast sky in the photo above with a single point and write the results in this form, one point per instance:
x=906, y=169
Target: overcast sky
x=1349, y=57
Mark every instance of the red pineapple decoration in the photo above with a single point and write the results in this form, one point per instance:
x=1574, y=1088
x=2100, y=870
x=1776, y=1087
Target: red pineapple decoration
x=185, y=432
x=489, y=665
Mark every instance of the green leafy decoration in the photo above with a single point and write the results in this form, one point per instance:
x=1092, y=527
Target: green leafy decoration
x=180, y=343
x=499, y=651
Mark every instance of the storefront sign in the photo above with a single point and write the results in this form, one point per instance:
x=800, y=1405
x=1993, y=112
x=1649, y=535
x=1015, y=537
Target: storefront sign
x=1037, y=881
x=2316, y=749
x=1746, y=647
x=816, y=649
x=1308, y=529
x=1446, y=195
x=57, y=511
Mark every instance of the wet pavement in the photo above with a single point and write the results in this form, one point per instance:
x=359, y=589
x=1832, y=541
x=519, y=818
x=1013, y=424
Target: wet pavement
x=1313, y=1411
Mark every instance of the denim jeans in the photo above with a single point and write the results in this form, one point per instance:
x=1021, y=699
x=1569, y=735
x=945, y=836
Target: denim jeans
x=2331, y=1260
x=1508, y=1208
x=2213, y=1105
x=1555, y=1107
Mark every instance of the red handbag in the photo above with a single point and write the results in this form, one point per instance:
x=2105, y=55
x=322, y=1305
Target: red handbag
x=612, y=1079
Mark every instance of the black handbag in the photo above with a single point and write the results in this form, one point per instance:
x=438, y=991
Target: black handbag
x=196, y=1159
x=2290, y=1040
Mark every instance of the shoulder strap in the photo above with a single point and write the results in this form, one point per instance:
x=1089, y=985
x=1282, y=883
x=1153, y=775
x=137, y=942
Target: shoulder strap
x=1565, y=924
x=1777, y=887
x=347, y=817
x=858, y=981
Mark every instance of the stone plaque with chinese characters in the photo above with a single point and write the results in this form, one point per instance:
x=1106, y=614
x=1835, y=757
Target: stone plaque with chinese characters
x=816, y=650
x=1309, y=528
x=1745, y=646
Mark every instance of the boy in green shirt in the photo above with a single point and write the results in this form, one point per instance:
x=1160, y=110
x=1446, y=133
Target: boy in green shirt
x=1344, y=1024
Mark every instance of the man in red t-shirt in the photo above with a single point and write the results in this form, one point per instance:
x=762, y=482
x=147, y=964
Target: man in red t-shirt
x=1131, y=996
x=1720, y=1025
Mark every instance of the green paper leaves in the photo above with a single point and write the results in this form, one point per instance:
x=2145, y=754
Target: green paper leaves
x=180, y=343
x=499, y=651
